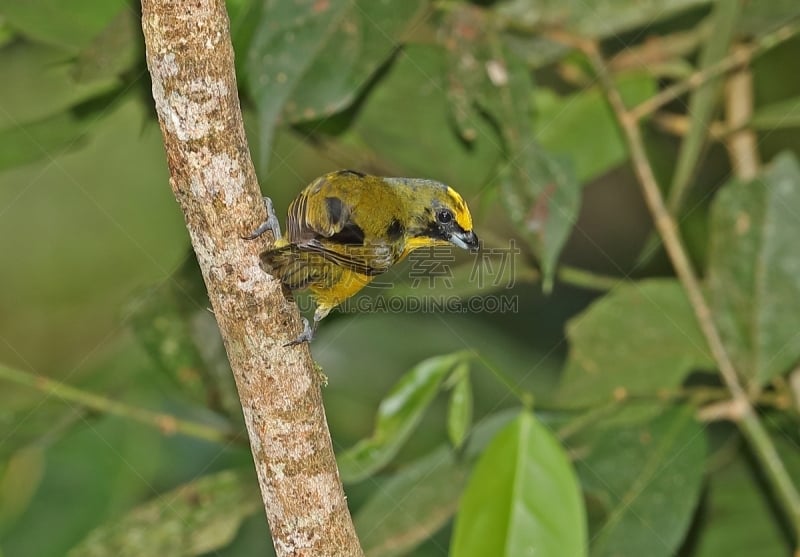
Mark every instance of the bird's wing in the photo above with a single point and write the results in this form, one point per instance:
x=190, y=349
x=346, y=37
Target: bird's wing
x=323, y=224
x=372, y=259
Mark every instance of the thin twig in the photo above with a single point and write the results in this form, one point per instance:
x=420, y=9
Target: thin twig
x=742, y=144
x=734, y=60
x=794, y=386
x=165, y=423
x=581, y=278
x=678, y=124
x=657, y=50
x=748, y=421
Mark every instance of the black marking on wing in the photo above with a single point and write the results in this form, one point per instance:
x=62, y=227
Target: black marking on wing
x=395, y=230
x=350, y=235
x=337, y=211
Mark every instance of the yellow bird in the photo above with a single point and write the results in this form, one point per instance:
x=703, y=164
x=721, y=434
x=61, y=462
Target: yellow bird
x=346, y=228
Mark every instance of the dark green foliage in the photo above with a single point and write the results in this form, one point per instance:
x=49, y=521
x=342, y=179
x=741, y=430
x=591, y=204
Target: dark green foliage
x=515, y=402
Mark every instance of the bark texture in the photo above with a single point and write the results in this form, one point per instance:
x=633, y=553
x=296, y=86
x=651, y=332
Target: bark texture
x=190, y=58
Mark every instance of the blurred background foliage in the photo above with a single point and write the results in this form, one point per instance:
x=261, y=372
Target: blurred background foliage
x=135, y=443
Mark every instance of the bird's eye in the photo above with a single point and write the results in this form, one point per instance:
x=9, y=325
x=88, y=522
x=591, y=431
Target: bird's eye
x=444, y=216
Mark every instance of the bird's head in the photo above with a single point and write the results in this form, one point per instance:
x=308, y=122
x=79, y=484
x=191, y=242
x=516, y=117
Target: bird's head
x=438, y=214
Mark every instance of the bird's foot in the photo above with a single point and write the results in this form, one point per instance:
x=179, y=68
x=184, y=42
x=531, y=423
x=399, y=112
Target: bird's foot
x=305, y=336
x=272, y=223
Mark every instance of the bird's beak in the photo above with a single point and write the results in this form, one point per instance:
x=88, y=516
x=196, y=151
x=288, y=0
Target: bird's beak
x=465, y=240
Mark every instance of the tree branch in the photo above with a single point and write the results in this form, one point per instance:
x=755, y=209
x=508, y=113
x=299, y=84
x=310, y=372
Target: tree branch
x=166, y=423
x=742, y=143
x=747, y=419
x=190, y=58
x=737, y=58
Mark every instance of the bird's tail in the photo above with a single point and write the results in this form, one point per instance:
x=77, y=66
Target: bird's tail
x=294, y=267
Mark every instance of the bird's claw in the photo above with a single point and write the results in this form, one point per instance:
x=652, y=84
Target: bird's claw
x=272, y=223
x=305, y=336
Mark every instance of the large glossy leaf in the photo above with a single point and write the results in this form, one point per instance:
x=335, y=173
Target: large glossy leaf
x=194, y=519
x=647, y=480
x=640, y=338
x=754, y=269
x=422, y=496
x=522, y=498
x=311, y=58
x=412, y=505
x=398, y=415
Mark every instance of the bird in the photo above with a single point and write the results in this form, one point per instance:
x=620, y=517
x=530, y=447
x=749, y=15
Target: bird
x=346, y=227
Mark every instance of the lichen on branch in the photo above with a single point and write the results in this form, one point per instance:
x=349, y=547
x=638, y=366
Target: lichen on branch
x=190, y=58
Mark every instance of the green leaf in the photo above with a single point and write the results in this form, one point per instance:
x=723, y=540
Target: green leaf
x=42, y=139
x=310, y=59
x=26, y=422
x=754, y=270
x=412, y=505
x=738, y=519
x=70, y=24
x=398, y=415
x=638, y=339
x=487, y=429
x=595, y=19
x=6, y=32
x=174, y=327
x=196, y=518
x=764, y=17
x=459, y=411
x=19, y=479
x=386, y=125
x=112, y=52
x=421, y=497
x=466, y=47
x=364, y=39
x=39, y=82
x=522, y=498
x=703, y=101
x=541, y=192
x=582, y=127
x=782, y=114
x=647, y=479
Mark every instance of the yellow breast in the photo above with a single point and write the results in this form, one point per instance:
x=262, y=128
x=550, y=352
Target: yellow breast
x=344, y=284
